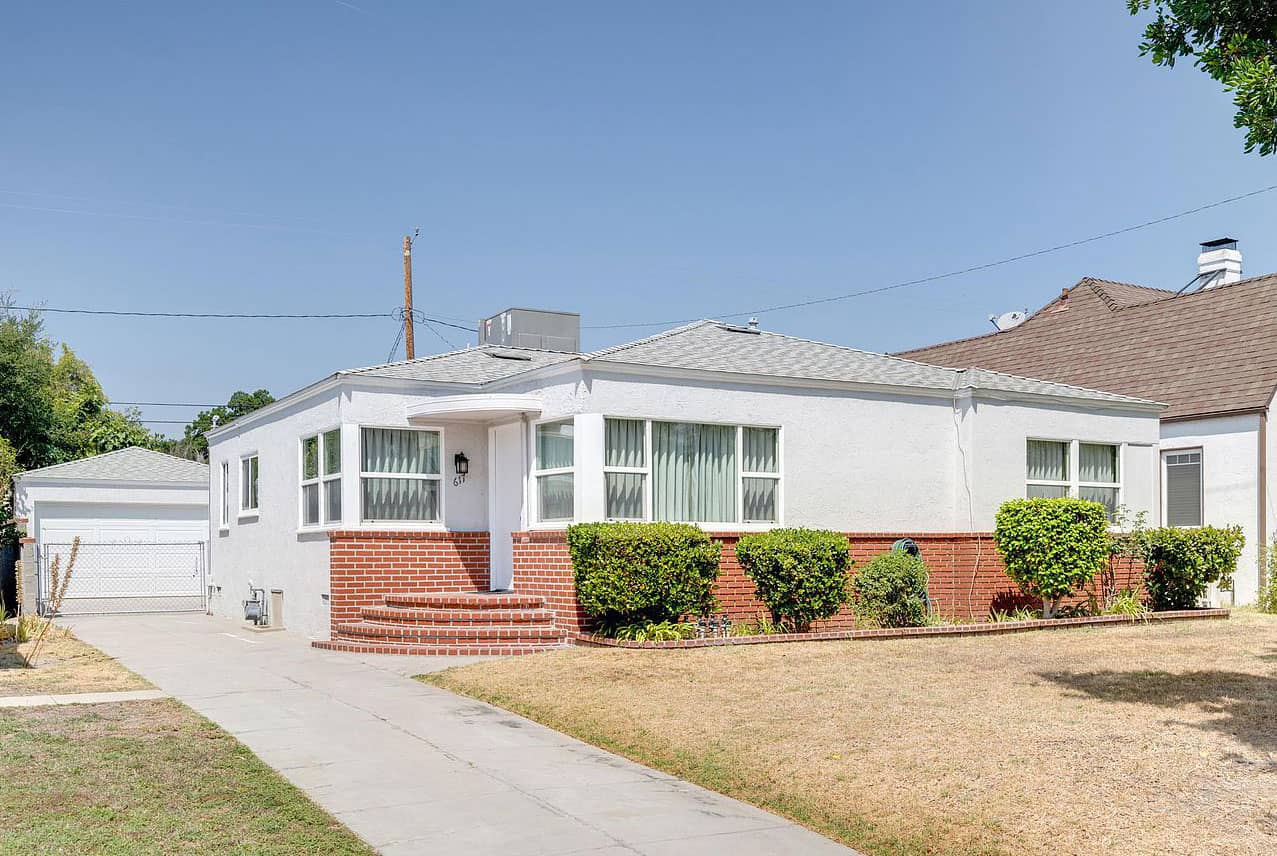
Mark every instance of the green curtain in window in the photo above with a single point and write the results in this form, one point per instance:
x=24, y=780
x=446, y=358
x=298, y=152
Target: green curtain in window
x=389, y=450
x=1097, y=463
x=554, y=445
x=694, y=472
x=624, y=443
x=400, y=499
x=758, y=450
x=1048, y=460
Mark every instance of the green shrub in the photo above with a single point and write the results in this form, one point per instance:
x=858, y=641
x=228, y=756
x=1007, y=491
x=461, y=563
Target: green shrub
x=637, y=573
x=891, y=590
x=1023, y=613
x=1126, y=602
x=1267, y=600
x=800, y=575
x=655, y=631
x=1180, y=563
x=1052, y=547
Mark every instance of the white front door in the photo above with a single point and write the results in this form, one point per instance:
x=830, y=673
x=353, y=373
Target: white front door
x=505, y=499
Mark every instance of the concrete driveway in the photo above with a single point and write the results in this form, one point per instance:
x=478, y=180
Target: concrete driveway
x=414, y=769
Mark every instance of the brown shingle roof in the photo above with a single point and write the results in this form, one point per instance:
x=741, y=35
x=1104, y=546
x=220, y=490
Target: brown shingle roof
x=1206, y=352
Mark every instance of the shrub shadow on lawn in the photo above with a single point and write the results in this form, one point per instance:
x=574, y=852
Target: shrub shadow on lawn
x=1244, y=706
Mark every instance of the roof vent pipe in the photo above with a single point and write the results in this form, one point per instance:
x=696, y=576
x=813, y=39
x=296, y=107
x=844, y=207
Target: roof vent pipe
x=753, y=323
x=1219, y=263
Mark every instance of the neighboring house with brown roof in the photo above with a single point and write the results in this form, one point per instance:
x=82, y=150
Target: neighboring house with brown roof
x=1209, y=352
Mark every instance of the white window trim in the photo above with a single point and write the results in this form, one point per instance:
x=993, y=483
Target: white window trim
x=1201, y=497
x=245, y=511
x=645, y=471
x=321, y=480
x=534, y=505
x=1074, y=482
x=425, y=525
x=224, y=512
x=739, y=525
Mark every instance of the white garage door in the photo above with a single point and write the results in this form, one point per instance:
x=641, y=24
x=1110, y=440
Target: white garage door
x=132, y=558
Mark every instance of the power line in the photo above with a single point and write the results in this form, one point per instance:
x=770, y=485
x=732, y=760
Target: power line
x=160, y=404
x=164, y=421
x=396, y=314
x=433, y=329
x=949, y=274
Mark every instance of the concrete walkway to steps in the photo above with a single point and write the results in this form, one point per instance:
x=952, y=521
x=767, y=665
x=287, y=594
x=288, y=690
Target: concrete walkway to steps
x=414, y=769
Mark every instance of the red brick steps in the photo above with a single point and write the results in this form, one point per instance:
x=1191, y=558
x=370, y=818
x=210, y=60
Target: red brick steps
x=450, y=623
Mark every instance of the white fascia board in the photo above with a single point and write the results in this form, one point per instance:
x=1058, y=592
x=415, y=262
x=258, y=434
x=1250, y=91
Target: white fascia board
x=318, y=387
x=54, y=481
x=1080, y=401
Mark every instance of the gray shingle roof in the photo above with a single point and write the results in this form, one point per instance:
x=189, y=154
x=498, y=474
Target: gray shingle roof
x=131, y=464
x=718, y=347
x=480, y=365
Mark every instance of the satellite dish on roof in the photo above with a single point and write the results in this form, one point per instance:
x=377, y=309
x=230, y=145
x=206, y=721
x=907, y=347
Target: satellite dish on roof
x=1007, y=320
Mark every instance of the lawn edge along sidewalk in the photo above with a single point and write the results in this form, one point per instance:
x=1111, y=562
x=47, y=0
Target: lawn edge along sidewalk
x=987, y=628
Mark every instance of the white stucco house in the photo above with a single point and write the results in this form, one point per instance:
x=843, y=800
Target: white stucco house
x=141, y=517
x=1208, y=349
x=379, y=501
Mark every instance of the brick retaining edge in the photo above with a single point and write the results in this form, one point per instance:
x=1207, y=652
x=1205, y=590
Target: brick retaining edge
x=980, y=629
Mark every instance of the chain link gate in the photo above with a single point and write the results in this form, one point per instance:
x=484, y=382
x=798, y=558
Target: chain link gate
x=125, y=578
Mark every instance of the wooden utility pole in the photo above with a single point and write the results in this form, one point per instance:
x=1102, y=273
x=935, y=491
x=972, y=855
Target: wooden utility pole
x=409, y=350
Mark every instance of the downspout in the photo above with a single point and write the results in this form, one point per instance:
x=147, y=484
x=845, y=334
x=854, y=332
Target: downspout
x=1262, y=548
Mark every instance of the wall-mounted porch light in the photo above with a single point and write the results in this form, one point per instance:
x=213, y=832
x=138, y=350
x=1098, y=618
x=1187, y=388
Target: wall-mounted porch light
x=462, y=465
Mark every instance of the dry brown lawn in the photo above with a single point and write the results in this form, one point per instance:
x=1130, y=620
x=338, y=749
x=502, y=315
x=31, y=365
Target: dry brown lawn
x=1149, y=739
x=64, y=665
x=147, y=777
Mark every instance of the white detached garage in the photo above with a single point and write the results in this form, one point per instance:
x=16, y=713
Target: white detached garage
x=142, y=520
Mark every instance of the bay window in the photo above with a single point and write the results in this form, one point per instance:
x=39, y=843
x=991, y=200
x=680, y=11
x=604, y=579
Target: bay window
x=321, y=478
x=1058, y=468
x=399, y=474
x=691, y=472
x=554, y=464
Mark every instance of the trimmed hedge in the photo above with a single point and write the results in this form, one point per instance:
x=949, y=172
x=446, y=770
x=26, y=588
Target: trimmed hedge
x=800, y=575
x=1052, y=547
x=891, y=590
x=1180, y=563
x=638, y=573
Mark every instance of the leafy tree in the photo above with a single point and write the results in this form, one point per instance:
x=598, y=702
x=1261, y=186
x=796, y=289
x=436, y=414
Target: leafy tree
x=51, y=410
x=26, y=388
x=1235, y=42
x=1052, y=547
x=194, y=445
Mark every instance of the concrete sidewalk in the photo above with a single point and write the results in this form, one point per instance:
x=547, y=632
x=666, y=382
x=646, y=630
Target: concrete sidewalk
x=414, y=769
x=80, y=698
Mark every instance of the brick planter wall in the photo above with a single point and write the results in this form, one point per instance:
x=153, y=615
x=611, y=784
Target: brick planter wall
x=543, y=567
x=967, y=577
x=364, y=566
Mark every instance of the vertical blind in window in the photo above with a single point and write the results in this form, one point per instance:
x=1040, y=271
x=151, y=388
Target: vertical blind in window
x=1184, y=489
x=694, y=472
x=409, y=460
x=624, y=448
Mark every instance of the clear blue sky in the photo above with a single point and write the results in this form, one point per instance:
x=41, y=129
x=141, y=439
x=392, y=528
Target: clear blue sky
x=633, y=162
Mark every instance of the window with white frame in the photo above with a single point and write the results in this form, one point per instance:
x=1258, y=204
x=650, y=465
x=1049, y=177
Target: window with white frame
x=691, y=472
x=321, y=478
x=1183, y=487
x=248, y=473
x=554, y=456
x=625, y=470
x=399, y=474
x=224, y=519
x=1092, y=471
